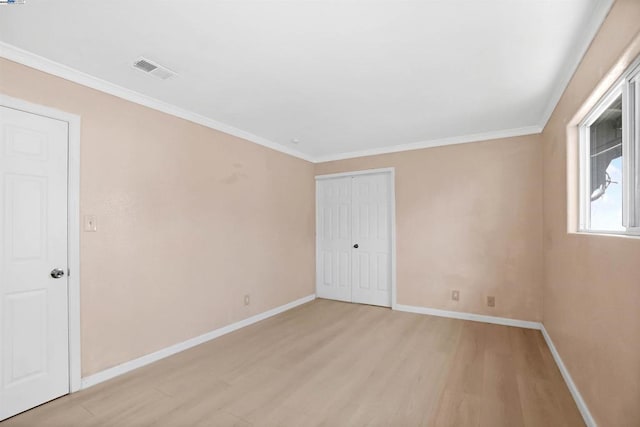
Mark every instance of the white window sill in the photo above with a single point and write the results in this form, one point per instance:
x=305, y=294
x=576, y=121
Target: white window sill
x=607, y=234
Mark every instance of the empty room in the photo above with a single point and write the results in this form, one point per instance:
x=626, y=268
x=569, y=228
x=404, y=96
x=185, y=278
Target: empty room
x=320, y=213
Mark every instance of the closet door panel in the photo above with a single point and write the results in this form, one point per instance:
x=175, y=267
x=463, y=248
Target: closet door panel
x=333, y=235
x=371, y=260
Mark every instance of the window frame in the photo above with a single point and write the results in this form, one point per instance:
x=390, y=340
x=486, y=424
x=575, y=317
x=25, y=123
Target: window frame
x=627, y=86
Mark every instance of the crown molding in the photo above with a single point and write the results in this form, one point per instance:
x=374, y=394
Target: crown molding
x=32, y=60
x=581, y=45
x=37, y=62
x=462, y=139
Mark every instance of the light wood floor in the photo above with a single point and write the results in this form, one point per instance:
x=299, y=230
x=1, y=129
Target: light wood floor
x=335, y=364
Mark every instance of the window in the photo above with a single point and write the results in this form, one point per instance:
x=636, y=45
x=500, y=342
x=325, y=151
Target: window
x=610, y=160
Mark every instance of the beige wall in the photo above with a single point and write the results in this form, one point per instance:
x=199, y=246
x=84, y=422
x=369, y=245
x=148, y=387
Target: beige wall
x=592, y=284
x=468, y=217
x=190, y=220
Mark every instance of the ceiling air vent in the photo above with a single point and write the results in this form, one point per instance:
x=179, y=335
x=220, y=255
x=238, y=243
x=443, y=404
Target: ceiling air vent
x=153, y=68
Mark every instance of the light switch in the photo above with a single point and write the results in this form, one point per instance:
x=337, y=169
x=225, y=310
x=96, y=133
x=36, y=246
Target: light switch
x=90, y=223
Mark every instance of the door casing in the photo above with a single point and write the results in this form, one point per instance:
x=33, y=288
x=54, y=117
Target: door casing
x=391, y=174
x=73, y=225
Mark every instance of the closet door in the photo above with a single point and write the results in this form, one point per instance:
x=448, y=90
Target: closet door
x=371, y=236
x=333, y=251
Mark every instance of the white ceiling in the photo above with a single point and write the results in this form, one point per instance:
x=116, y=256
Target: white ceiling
x=343, y=77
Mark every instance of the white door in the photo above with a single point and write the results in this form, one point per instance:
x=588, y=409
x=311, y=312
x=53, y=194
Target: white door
x=354, y=239
x=333, y=275
x=34, y=349
x=371, y=233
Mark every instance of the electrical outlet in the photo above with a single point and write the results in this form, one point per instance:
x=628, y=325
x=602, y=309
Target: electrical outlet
x=90, y=223
x=247, y=299
x=491, y=301
x=455, y=295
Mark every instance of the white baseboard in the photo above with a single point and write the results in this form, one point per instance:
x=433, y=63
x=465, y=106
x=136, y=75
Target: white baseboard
x=577, y=397
x=123, y=368
x=469, y=316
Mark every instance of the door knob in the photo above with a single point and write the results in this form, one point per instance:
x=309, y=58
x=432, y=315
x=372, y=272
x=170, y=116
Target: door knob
x=57, y=273
x=356, y=246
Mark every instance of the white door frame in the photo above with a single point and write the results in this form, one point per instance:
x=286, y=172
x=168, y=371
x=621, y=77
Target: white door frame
x=73, y=225
x=391, y=173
